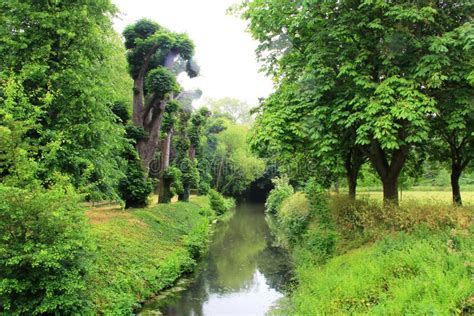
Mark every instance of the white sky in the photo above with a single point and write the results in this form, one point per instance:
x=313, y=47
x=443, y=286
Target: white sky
x=224, y=51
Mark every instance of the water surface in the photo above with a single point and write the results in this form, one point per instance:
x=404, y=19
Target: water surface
x=244, y=273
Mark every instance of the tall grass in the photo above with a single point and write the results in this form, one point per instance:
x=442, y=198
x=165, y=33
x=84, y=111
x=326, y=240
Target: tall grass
x=364, y=258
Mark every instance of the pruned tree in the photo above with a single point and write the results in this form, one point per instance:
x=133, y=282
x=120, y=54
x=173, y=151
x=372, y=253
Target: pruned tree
x=166, y=178
x=152, y=53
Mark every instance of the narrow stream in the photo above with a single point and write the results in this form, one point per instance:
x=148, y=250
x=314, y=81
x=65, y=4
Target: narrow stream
x=244, y=273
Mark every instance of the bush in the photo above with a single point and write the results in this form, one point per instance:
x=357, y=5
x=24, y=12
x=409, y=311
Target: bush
x=134, y=188
x=45, y=252
x=219, y=203
x=321, y=242
x=282, y=189
x=293, y=216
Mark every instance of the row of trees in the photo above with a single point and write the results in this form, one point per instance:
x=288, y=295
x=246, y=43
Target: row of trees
x=389, y=82
x=66, y=106
x=176, y=144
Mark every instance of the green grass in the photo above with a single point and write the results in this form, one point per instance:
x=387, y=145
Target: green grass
x=142, y=251
x=424, y=196
x=363, y=258
x=422, y=273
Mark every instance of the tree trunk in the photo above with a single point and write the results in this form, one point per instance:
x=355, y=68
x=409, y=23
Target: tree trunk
x=165, y=194
x=192, y=152
x=219, y=174
x=336, y=186
x=455, y=175
x=147, y=147
x=352, y=183
x=353, y=163
x=184, y=197
x=390, y=190
x=388, y=171
x=148, y=117
x=164, y=191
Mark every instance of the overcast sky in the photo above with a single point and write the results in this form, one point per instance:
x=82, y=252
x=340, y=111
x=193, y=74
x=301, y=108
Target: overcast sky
x=224, y=50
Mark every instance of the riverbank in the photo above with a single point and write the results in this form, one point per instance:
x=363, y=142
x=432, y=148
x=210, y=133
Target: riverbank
x=142, y=251
x=360, y=257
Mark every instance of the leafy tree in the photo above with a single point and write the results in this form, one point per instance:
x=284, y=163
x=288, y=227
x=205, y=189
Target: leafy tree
x=18, y=117
x=135, y=187
x=167, y=177
x=234, y=167
x=380, y=52
x=453, y=125
x=60, y=54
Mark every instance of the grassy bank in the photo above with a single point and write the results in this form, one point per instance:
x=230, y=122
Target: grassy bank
x=142, y=251
x=421, y=273
x=358, y=257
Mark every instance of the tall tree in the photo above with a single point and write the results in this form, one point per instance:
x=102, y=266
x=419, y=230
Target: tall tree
x=453, y=127
x=152, y=53
x=235, y=109
x=168, y=129
x=188, y=165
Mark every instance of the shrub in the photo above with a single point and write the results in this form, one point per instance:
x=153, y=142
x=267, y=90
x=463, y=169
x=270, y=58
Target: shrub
x=321, y=241
x=219, y=203
x=134, y=188
x=293, y=216
x=282, y=189
x=45, y=252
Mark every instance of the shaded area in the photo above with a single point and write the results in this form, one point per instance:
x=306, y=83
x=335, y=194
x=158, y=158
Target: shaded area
x=243, y=273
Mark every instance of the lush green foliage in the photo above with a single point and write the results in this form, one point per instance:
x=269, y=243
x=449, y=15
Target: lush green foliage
x=45, y=252
x=282, y=190
x=362, y=257
x=227, y=157
x=219, y=204
x=60, y=68
x=142, y=251
x=135, y=188
x=371, y=77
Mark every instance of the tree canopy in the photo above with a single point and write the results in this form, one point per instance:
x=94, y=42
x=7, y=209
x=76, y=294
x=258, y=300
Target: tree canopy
x=365, y=73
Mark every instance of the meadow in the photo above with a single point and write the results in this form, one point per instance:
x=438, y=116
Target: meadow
x=425, y=194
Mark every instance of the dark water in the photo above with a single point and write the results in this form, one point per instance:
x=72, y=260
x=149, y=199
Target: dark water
x=242, y=274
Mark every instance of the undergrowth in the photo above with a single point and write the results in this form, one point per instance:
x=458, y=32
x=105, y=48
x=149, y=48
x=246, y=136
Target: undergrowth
x=359, y=257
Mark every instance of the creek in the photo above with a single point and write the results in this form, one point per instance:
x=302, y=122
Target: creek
x=243, y=272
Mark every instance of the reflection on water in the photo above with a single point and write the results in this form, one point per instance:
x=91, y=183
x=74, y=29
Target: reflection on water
x=243, y=273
